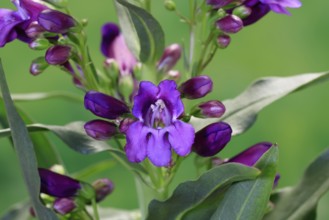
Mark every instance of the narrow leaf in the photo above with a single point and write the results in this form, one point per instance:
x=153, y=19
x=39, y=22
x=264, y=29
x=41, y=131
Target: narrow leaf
x=25, y=152
x=46, y=95
x=19, y=211
x=248, y=200
x=300, y=202
x=143, y=33
x=192, y=193
x=242, y=111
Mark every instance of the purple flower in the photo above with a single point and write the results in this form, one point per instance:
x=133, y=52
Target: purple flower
x=113, y=46
x=56, y=21
x=58, y=185
x=158, y=129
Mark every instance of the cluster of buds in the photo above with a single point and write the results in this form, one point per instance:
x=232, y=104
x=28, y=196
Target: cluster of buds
x=70, y=196
x=232, y=15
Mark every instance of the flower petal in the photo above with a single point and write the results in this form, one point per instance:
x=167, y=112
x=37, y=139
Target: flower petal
x=158, y=147
x=109, y=32
x=136, y=142
x=181, y=137
x=171, y=96
x=8, y=21
x=258, y=11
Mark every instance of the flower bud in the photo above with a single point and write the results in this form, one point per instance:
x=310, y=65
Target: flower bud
x=56, y=21
x=169, y=58
x=250, y=156
x=126, y=86
x=196, y=87
x=39, y=44
x=230, y=24
x=103, y=187
x=170, y=5
x=64, y=206
x=58, y=185
x=104, y=105
x=212, y=139
x=223, y=41
x=34, y=30
x=210, y=109
x=38, y=65
x=87, y=192
x=242, y=11
x=58, y=54
x=101, y=130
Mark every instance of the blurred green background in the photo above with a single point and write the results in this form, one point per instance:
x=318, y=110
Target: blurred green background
x=278, y=45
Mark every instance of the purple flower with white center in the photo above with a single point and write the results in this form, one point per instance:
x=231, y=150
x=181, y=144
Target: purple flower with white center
x=114, y=47
x=158, y=129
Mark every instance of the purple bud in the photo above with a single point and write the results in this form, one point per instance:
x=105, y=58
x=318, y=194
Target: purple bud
x=38, y=65
x=258, y=11
x=250, y=156
x=58, y=54
x=212, y=139
x=230, y=24
x=64, y=206
x=210, y=109
x=196, y=87
x=103, y=187
x=56, y=21
x=58, y=185
x=34, y=30
x=104, y=105
x=169, y=58
x=101, y=130
x=223, y=41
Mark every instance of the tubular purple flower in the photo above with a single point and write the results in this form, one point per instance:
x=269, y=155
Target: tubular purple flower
x=56, y=21
x=158, y=129
x=64, y=206
x=169, y=58
x=230, y=24
x=113, y=46
x=58, y=185
x=209, y=109
x=196, y=87
x=101, y=130
x=103, y=187
x=250, y=156
x=58, y=54
x=104, y=105
x=212, y=139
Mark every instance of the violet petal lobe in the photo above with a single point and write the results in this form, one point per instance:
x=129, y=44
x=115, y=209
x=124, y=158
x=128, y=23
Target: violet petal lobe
x=104, y=105
x=212, y=139
x=56, y=21
x=57, y=185
x=101, y=130
x=251, y=155
x=181, y=137
x=258, y=11
x=8, y=21
x=196, y=87
x=109, y=32
x=158, y=147
x=136, y=146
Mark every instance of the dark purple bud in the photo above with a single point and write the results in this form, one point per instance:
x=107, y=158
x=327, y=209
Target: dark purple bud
x=258, y=11
x=64, y=206
x=103, y=187
x=38, y=65
x=223, y=41
x=125, y=123
x=58, y=185
x=250, y=156
x=210, y=109
x=196, y=87
x=101, y=130
x=230, y=24
x=169, y=58
x=104, y=105
x=212, y=139
x=34, y=30
x=58, y=54
x=56, y=21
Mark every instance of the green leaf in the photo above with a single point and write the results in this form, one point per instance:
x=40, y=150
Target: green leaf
x=142, y=32
x=242, y=111
x=300, y=201
x=248, y=200
x=19, y=211
x=25, y=151
x=46, y=95
x=192, y=193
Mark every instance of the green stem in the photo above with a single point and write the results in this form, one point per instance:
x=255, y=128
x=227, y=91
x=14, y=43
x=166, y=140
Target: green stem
x=95, y=209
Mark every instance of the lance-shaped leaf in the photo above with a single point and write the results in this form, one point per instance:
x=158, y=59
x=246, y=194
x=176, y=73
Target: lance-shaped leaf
x=25, y=151
x=248, y=200
x=19, y=211
x=190, y=194
x=241, y=112
x=37, y=96
x=142, y=32
x=299, y=202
